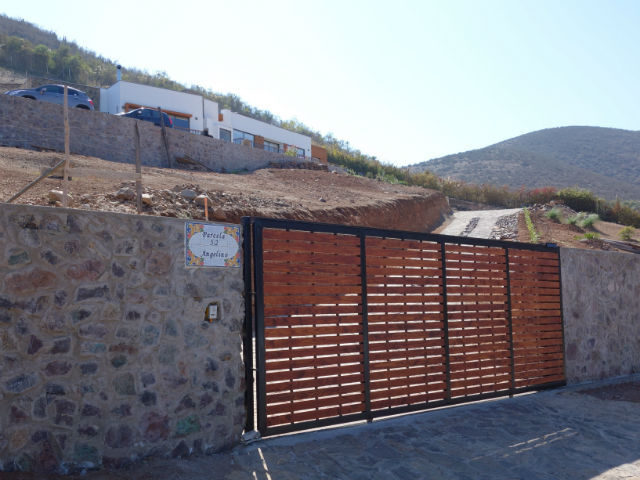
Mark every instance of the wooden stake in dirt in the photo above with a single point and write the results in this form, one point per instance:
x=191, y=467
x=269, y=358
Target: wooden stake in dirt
x=37, y=180
x=164, y=137
x=206, y=210
x=138, y=169
x=65, y=179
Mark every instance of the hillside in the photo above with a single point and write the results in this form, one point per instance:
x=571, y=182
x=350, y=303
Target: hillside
x=603, y=160
x=296, y=194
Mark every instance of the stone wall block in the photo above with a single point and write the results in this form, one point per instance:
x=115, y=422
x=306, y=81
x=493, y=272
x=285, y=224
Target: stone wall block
x=600, y=305
x=105, y=353
x=110, y=137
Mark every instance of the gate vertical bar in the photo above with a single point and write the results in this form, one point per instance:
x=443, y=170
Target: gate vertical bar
x=445, y=318
x=365, y=326
x=510, y=320
x=247, y=341
x=260, y=348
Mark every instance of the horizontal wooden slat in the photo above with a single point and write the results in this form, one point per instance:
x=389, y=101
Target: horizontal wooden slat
x=334, y=299
x=274, y=387
x=312, y=341
x=315, y=247
x=279, y=359
x=308, y=258
x=385, y=403
x=287, y=332
x=393, y=253
x=310, y=278
x=311, y=310
x=426, y=351
x=432, y=329
x=401, y=244
x=317, y=408
x=401, y=391
x=472, y=276
x=516, y=252
x=449, y=248
x=310, y=320
x=319, y=392
x=403, y=289
x=345, y=271
x=313, y=372
x=316, y=237
x=432, y=372
x=270, y=289
x=310, y=415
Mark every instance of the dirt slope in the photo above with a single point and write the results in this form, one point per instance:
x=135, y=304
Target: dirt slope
x=277, y=193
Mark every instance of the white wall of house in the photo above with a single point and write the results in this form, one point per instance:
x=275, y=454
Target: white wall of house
x=269, y=132
x=203, y=112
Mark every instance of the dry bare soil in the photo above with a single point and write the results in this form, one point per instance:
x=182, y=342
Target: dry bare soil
x=299, y=194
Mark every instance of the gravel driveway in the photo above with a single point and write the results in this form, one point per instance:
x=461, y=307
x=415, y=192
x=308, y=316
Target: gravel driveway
x=477, y=223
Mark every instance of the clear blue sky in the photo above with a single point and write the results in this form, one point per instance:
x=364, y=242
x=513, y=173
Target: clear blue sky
x=405, y=81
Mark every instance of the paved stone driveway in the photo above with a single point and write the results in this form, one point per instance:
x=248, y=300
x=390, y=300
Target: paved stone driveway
x=559, y=434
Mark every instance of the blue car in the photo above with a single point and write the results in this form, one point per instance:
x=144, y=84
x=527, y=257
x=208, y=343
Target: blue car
x=148, y=115
x=55, y=94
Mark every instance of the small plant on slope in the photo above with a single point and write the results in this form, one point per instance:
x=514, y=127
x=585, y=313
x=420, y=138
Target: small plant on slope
x=554, y=214
x=533, y=235
x=626, y=233
x=589, y=220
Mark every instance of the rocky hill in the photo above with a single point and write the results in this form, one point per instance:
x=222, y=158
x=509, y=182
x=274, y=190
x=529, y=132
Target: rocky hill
x=603, y=160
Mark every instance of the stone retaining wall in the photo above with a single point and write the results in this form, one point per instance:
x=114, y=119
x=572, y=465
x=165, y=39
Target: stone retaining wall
x=601, y=305
x=31, y=124
x=104, y=353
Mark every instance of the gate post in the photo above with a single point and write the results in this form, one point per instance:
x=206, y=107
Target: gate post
x=510, y=320
x=445, y=319
x=258, y=281
x=365, y=327
x=247, y=340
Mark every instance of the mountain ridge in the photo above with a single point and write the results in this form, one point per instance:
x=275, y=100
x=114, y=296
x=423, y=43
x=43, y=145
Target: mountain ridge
x=603, y=160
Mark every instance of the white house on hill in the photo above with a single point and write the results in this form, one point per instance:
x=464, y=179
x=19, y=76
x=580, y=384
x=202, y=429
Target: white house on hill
x=194, y=112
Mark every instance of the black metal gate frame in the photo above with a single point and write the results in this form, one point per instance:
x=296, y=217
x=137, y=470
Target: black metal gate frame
x=254, y=309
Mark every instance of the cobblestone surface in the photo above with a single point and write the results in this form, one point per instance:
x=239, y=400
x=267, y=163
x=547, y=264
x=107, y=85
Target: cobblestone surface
x=559, y=434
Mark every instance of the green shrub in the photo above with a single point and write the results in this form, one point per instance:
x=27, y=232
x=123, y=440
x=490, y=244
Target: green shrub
x=591, y=236
x=588, y=221
x=578, y=199
x=626, y=233
x=533, y=235
x=572, y=220
x=554, y=214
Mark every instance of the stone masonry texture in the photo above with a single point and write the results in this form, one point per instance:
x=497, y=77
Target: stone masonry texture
x=601, y=306
x=31, y=124
x=105, y=356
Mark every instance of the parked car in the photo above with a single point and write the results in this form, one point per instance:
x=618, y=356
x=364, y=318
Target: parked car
x=148, y=115
x=55, y=94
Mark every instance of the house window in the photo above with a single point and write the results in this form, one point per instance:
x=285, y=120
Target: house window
x=243, y=138
x=299, y=152
x=271, y=146
x=225, y=135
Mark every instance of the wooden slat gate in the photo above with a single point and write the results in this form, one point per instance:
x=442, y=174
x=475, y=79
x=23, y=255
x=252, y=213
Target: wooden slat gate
x=355, y=323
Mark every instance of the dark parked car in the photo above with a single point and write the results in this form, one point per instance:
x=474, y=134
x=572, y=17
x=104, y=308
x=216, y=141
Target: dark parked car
x=55, y=94
x=149, y=115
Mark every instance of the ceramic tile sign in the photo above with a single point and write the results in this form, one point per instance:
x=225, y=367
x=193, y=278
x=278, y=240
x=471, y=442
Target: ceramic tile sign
x=211, y=245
